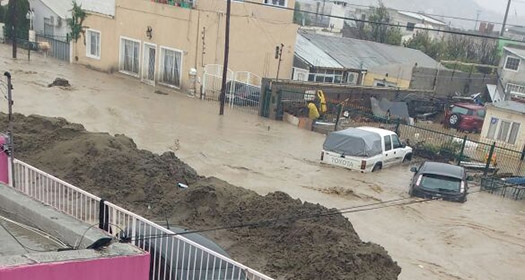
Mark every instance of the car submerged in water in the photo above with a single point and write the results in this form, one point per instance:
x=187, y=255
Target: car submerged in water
x=437, y=180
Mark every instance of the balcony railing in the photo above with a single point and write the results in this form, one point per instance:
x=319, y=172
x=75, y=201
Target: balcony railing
x=179, y=3
x=173, y=256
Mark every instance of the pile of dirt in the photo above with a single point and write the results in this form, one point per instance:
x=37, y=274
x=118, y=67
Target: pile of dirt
x=59, y=82
x=316, y=247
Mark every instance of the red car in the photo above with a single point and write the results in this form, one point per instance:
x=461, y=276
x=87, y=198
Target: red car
x=465, y=117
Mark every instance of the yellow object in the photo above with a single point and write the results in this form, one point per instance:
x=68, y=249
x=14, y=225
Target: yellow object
x=313, y=113
x=322, y=102
x=493, y=160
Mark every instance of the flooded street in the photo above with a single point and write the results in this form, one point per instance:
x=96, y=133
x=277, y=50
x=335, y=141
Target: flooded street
x=481, y=239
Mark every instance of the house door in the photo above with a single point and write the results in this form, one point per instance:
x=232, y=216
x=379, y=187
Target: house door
x=148, y=73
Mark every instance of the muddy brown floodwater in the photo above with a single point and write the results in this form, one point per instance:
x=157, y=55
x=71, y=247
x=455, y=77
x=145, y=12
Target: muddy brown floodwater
x=481, y=239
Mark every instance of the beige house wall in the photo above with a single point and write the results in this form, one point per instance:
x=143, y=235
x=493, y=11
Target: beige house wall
x=505, y=115
x=255, y=31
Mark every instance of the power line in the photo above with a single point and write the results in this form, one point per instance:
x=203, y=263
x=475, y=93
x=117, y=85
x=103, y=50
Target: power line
x=269, y=222
x=443, y=16
x=391, y=24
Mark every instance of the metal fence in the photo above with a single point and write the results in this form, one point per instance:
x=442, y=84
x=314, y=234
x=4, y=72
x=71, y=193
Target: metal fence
x=243, y=89
x=503, y=187
x=58, y=48
x=172, y=256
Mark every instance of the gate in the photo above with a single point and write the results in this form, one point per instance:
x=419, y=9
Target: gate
x=243, y=89
x=58, y=49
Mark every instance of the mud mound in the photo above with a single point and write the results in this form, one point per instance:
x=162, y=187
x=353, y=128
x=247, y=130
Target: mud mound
x=294, y=242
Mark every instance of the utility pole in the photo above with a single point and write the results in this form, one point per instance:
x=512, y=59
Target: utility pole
x=10, y=129
x=278, y=55
x=13, y=8
x=477, y=18
x=505, y=20
x=222, y=97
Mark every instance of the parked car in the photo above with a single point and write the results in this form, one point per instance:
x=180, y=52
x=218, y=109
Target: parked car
x=364, y=149
x=439, y=180
x=466, y=117
x=242, y=94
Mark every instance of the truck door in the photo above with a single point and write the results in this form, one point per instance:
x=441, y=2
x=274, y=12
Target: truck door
x=397, y=148
x=388, y=154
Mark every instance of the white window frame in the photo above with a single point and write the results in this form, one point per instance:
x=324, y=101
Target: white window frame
x=88, y=43
x=520, y=89
x=270, y=3
x=157, y=55
x=497, y=131
x=510, y=69
x=161, y=64
x=121, y=57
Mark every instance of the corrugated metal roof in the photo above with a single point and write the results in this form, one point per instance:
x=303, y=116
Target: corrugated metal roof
x=312, y=55
x=359, y=54
x=62, y=8
x=515, y=51
x=511, y=105
x=422, y=17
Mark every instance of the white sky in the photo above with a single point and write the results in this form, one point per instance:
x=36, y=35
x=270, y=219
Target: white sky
x=499, y=6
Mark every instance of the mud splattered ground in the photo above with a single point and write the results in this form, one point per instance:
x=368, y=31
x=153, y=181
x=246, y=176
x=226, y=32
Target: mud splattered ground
x=113, y=168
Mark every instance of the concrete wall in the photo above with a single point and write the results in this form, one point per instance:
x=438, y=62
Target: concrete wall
x=255, y=32
x=113, y=268
x=447, y=82
x=505, y=115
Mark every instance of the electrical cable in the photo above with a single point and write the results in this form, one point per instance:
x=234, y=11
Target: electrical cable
x=390, y=24
x=36, y=231
x=85, y=232
x=444, y=16
x=266, y=223
x=26, y=248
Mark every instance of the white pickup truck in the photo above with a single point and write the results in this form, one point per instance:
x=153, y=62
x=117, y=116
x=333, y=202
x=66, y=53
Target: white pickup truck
x=365, y=149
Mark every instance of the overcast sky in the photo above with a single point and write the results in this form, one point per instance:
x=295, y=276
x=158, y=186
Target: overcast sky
x=499, y=6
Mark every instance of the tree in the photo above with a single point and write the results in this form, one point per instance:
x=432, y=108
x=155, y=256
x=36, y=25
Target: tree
x=423, y=42
x=76, y=22
x=16, y=24
x=298, y=16
x=379, y=28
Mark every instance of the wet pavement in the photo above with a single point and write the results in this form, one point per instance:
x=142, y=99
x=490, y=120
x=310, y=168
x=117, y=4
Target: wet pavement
x=481, y=239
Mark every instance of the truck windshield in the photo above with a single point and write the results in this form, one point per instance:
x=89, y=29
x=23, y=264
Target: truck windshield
x=440, y=183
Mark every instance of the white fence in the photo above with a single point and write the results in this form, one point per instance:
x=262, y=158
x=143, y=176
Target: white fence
x=243, y=89
x=172, y=256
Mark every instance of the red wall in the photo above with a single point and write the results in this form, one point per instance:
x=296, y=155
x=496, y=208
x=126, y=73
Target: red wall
x=123, y=267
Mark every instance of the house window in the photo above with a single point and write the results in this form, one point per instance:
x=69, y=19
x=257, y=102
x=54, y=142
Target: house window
x=410, y=26
x=512, y=63
x=281, y=3
x=326, y=76
x=503, y=130
x=515, y=128
x=492, y=128
x=49, y=26
x=93, y=44
x=507, y=131
x=388, y=143
x=129, y=56
x=171, y=66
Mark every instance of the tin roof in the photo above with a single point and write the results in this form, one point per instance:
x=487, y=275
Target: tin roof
x=511, y=105
x=516, y=51
x=422, y=17
x=352, y=53
x=313, y=55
